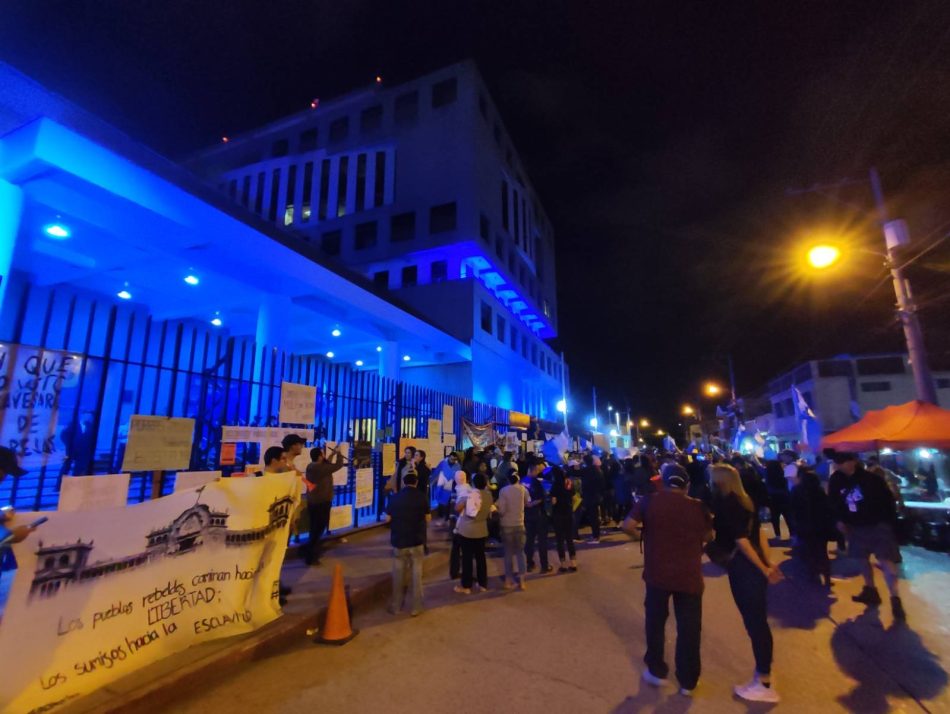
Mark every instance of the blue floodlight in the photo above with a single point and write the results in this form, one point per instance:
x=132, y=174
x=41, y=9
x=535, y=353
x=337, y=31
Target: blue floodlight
x=330, y=355
x=124, y=295
x=216, y=321
x=336, y=332
x=57, y=231
x=191, y=279
x=359, y=363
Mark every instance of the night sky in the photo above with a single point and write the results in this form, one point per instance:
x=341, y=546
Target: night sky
x=663, y=138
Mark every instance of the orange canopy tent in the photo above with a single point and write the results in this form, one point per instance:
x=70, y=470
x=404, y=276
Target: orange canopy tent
x=906, y=426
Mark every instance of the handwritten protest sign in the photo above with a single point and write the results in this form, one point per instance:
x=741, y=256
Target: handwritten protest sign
x=435, y=429
x=341, y=517
x=264, y=435
x=108, y=593
x=88, y=493
x=297, y=403
x=158, y=443
x=364, y=488
x=448, y=418
x=193, y=479
x=389, y=459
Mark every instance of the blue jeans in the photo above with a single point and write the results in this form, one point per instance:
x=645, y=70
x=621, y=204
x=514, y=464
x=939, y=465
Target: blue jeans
x=750, y=591
x=407, y=563
x=513, y=537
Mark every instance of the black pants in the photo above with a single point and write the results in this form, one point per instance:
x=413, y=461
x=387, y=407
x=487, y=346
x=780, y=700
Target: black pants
x=564, y=534
x=813, y=550
x=473, y=550
x=688, y=609
x=592, y=513
x=536, y=531
x=455, y=557
x=750, y=591
x=319, y=521
x=779, y=506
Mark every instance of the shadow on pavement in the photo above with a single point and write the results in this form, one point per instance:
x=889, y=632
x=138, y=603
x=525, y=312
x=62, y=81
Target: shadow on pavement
x=649, y=699
x=912, y=670
x=797, y=603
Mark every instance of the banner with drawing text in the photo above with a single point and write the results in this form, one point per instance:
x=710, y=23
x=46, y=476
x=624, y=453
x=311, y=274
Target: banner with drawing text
x=99, y=594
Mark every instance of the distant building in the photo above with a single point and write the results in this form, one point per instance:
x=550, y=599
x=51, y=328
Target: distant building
x=418, y=187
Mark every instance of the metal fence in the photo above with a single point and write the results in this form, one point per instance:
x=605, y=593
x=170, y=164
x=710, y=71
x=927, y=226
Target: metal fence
x=74, y=369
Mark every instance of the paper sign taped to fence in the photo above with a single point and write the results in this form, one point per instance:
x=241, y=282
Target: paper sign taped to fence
x=158, y=444
x=298, y=402
x=448, y=418
x=435, y=429
x=264, y=435
x=109, y=592
x=89, y=493
x=341, y=517
x=194, y=479
x=389, y=459
x=364, y=488
x=228, y=456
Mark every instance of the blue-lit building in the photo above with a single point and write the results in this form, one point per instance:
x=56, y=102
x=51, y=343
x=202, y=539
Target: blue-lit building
x=418, y=188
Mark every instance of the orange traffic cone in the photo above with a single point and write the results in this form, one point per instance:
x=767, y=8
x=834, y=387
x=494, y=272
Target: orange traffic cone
x=336, y=629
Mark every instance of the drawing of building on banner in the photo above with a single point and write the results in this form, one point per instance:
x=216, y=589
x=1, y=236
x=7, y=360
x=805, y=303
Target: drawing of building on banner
x=58, y=566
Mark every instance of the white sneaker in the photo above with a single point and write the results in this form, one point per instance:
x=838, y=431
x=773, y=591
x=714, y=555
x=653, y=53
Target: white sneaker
x=755, y=691
x=686, y=692
x=655, y=681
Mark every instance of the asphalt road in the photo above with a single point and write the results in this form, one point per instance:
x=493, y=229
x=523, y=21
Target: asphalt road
x=574, y=643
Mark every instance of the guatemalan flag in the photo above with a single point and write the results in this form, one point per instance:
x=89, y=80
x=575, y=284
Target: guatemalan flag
x=810, y=425
x=555, y=448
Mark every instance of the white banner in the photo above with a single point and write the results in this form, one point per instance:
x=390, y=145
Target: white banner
x=93, y=493
x=193, y=479
x=298, y=402
x=264, y=435
x=364, y=488
x=98, y=595
x=158, y=443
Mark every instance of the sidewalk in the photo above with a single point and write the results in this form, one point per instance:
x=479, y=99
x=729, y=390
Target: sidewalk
x=367, y=563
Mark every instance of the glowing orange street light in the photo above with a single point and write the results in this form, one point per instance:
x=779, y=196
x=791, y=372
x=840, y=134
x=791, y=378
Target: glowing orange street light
x=688, y=410
x=644, y=424
x=712, y=389
x=823, y=256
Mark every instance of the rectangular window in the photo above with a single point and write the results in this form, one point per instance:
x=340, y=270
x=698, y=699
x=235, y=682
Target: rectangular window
x=366, y=235
x=381, y=279
x=777, y=408
x=500, y=322
x=379, y=188
x=881, y=365
x=341, y=186
x=402, y=227
x=245, y=191
x=330, y=242
x=442, y=218
x=307, y=190
x=516, y=219
x=834, y=368
x=524, y=222
x=279, y=148
x=439, y=271
x=274, y=195
x=486, y=317
x=534, y=355
x=289, y=195
x=524, y=347
x=943, y=383
x=371, y=119
x=308, y=140
x=410, y=276
x=232, y=189
x=361, y=182
x=444, y=92
x=406, y=108
x=875, y=386
x=504, y=204
x=324, y=189
x=514, y=337
x=259, y=197
x=500, y=247
x=339, y=129
x=484, y=227
x=512, y=264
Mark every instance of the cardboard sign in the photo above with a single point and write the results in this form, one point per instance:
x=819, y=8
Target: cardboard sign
x=298, y=402
x=435, y=429
x=228, y=455
x=448, y=418
x=263, y=435
x=89, y=493
x=389, y=459
x=194, y=479
x=341, y=517
x=158, y=444
x=364, y=488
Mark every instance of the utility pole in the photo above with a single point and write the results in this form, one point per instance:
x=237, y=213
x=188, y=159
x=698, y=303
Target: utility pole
x=594, y=392
x=564, y=389
x=895, y=235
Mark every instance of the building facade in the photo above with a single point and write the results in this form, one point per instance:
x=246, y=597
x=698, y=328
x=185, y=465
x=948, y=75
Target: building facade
x=418, y=188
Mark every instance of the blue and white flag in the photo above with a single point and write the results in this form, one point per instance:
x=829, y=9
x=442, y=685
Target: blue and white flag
x=555, y=448
x=670, y=444
x=810, y=425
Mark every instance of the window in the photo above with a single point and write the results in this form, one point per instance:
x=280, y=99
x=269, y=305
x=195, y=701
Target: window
x=259, y=196
x=516, y=220
x=379, y=189
x=371, y=119
x=341, y=186
x=777, y=408
x=289, y=195
x=500, y=247
x=504, y=204
x=514, y=337
x=361, y=182
x=279, y=148
x=834, y=368
x=307, y=190
x=943, y=383
x=789, y=407
x=881, y=365
x=232, y=189
x=308, y=140
x=330, y=242
x=366, y=235
x=381, y=279
x=483, y=105
x=524, y=347
x=875, y=386
x=410, y=276
x=500, y=334
x=439, y=271
x=402, y=227
x=534, y=355
x=406, y=107
x=324, y=189
x=246, y=191
x=339, y=129
x=486, y=317
x=274, y=195
x=444, y=92
x=442, y=218
x=512, y=256
x=484, y=227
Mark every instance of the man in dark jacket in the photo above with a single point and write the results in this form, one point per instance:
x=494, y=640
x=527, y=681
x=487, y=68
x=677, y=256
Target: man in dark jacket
x=592, y=492
x=408, y=515
x=319, y=499
x=867, y=515
x=536, y=517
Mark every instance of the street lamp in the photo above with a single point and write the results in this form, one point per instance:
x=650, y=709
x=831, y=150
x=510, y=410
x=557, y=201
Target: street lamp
x=823, y=256
x=712, y=389
x=593, y=422
x=688, y=410
x=644, y=424
x=561, y=406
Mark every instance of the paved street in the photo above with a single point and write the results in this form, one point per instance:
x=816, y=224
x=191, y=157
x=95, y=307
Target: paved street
x=573, y=643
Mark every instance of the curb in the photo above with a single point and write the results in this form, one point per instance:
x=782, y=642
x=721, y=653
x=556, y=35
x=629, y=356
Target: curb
x=161, y=693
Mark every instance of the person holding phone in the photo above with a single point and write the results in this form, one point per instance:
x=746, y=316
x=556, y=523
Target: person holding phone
x=8, y=533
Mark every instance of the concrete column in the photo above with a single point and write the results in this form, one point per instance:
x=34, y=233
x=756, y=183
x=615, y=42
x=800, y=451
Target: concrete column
x=390, y=360
x=11, y=211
